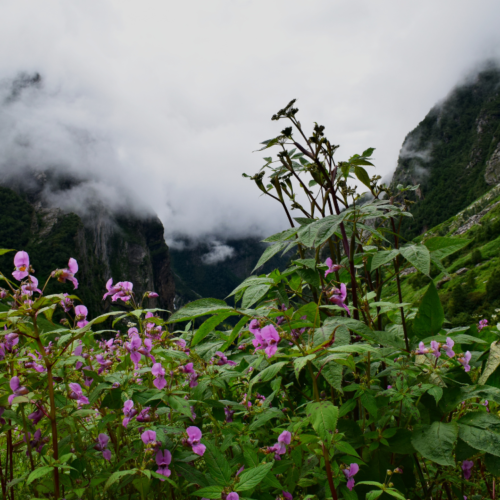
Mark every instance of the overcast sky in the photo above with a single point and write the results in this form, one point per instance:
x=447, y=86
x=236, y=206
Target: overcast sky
x=166, y=100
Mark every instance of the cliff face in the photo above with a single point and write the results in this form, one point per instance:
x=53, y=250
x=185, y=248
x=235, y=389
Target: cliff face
x=454, y=153
x=105, y=245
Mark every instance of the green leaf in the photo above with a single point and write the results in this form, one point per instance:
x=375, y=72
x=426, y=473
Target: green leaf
x=436, y=442
x=346, y=448
x=117, y=475
x=299, y=363
x=430, y=315
x=419, y=257
x=180, y=404
x=492, y=363
x=323, y=416
x=481, y=430
x=197, y=308
x=253, y=294
x=210, y=492
x=373, y=495
x=383, y=257
x=40, y=472
x=264, y=417
x=209, y=325
x=234, y=334
x=217, y=464
x=5, y=250
x=441, y=247
x=363, y=176
x=268, y=373
x=269, y=253
x=252, y=477
x=437, y=392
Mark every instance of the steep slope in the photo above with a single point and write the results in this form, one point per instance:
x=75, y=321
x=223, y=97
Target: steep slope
x=471, y=290
x=105, y=245
x=454, y=153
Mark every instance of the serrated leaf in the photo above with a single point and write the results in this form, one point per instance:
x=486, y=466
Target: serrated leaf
x=37, y=473
x=419, y=257
x=268, y=254
x=430, y=315
x=252, y=477
x=208, y=326
x=117, y=475
x=323, y=416
x=217, y=464
x=436, y=442
x=197, y=308
x=253, y=294
x=212, y=492
x=492, y=363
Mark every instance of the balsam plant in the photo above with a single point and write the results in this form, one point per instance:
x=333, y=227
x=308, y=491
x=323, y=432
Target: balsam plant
x=323, y=388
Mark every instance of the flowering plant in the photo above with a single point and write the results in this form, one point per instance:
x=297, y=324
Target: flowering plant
x=311, y=385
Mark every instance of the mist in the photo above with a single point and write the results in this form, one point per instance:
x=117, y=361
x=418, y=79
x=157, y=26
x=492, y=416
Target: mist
x=158, y=109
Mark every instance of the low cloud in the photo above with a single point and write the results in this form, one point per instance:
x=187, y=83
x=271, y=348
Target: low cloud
x=218, y=253
x=158, y=109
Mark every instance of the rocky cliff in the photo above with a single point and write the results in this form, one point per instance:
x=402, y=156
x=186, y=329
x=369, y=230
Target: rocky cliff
x=454, y=153
x=106, y=245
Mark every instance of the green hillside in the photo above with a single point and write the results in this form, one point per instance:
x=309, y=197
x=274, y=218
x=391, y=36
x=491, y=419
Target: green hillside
x=470, y=290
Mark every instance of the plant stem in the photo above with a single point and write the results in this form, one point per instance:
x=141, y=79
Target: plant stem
x=27, y=439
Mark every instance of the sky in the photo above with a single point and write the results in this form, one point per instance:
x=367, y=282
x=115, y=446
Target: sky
x=159, y=106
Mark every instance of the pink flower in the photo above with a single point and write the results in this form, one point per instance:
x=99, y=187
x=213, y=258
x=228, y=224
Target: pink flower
x=332, y=268
x=17, y=389
x=349, y=473
x=271, y=338
x=102, y=443
x=223, y=359
x=435, y=347
x=111, y=290
x=66, y=303
x=31, y=287
x=287, y=496
x=194, y=437
x=151, y=295
x=338, y=297
x=129, y=412
x=148, y=437
x=77, y=393
x=159, y=372
x=448, y=347
x=233, y=496
x=146, y=350
x=68, y=274
x=81, y=313
x=467, y=466
x=482, y=324
x=22, y=264
x=123, y=291
x=464, y=360
x=163, y=459
x=254, y=326
x=133, y=348
x=285, y=437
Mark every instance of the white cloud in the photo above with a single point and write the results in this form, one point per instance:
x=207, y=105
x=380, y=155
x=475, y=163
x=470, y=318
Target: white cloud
x=218, y=253
x=160, y=104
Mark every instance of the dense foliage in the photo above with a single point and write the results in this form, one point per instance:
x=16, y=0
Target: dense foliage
x=321, y=389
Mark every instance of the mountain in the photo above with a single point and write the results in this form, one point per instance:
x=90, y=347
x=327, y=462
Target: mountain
x=453, y=153
x=121, y=246
x=205, y=269
x=470, y=290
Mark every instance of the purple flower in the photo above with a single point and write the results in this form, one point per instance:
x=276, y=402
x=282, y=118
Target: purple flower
x=229, y=414
x=146, y=350
x=3, y=293
x=332, y=268
x=129, y=412
x=187, y=368
x=181, y=343
x=254, y=326
x=287, y=496
x=338, y=297
x=389, y=387
x=22, y=264
x=435, y=348
x=482, y=324
x=31, y=287
x=271, y=338
x=464, y=360
x=194, y=437
x=39, y=368
x=448, y=347
x=349, y=473
x=467, y=466
x=36, y=416
x=159, y=372
x=233, y=496
x=77, y=393
x=163, y=459
x=124, y=291
x=285, y=437
x=111, y=289
x=148, y=437
x=144, y=415
x=102, y=443
x=68, y=274
x=17, y=389
x=133, y=348
x=486, y=403
x=81, y=313
x=151, y=295
x=66, y=303
x=223, y=359
x=422, y=349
